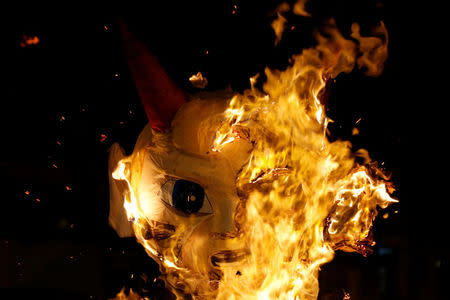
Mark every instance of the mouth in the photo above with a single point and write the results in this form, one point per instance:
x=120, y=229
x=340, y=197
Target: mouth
x=227, y=257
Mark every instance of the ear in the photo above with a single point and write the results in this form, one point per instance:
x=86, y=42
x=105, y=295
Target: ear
x=117, y=188
x=160, y=96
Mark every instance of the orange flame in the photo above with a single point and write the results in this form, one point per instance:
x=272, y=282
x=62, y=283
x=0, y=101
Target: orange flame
x=131, y=296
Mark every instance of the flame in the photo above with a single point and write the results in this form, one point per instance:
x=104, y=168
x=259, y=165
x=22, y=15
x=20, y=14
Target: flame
x=324, y=200
x=139, y=221
x=299, y=8
x=303, y=197
x=131, y=296
x=279, y=23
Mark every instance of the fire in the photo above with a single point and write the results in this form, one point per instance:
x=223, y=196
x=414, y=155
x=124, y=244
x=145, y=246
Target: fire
x=139, y=220
x=302, y=196
x=198, y=80
x=131, y=296
x=323, y=200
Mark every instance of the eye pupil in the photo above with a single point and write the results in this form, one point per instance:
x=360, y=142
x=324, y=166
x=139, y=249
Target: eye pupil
x=187, y=196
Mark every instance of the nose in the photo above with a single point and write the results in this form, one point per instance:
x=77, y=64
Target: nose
x=225, y=208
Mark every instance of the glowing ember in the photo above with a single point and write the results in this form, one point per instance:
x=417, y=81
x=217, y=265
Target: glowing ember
x=29, y=40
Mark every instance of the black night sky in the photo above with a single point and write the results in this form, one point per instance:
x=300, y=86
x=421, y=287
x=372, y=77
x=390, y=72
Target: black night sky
x=66, y=99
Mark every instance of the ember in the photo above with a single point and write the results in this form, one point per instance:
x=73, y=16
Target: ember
x=29, y=40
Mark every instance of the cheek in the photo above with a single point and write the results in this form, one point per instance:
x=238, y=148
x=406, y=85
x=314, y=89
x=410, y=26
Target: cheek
x=197, y=249
x=147, y=195
x=224, y=202
x=150, y=204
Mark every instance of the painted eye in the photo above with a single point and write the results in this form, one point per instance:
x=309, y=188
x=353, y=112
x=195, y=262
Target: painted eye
x=186, y=196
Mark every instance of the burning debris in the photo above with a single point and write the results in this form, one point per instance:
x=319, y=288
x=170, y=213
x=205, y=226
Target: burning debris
x=198, y=81
x=243, y=196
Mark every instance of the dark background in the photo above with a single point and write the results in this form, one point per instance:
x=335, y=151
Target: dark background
x=60, y=96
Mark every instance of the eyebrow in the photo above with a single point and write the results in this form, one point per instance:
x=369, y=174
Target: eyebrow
x=180, y=165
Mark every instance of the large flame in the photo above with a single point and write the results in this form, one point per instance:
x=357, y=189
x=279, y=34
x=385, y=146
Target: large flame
x=312, y=198
x=302, y=196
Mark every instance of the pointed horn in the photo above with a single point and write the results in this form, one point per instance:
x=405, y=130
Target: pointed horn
x=160, y=96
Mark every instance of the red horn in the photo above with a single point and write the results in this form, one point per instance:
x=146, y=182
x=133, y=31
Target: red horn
x=160, y=96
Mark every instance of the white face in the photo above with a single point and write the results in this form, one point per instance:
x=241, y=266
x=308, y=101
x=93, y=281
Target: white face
x=187, y=194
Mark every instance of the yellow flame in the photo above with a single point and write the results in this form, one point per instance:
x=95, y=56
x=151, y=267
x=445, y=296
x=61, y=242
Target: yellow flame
x=279, y=24
x=131, y=296
x=325, y=201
